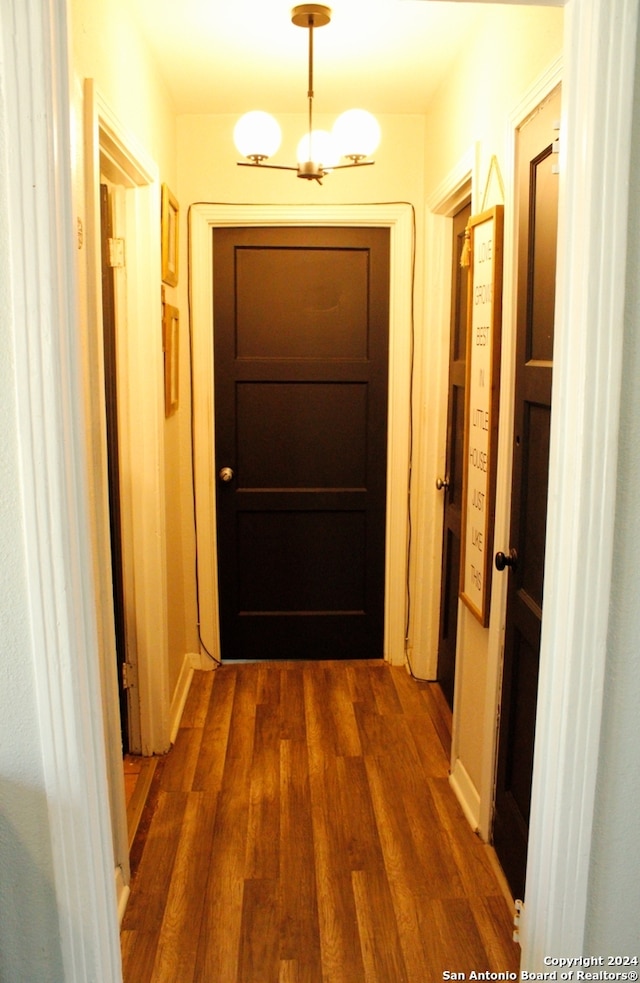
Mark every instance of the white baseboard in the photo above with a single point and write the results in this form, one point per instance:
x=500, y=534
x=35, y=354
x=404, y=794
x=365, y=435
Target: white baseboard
x=190, y=662
x=466, y=794
x=122, y=894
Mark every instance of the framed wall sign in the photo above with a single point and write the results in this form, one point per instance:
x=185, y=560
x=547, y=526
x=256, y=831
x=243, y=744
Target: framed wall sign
x=484, y=321
x=171, y=347
x=169, y=237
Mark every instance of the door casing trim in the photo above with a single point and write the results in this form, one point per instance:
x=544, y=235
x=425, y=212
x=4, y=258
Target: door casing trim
x=398, y=219
x=110, y=147
x=430, y=454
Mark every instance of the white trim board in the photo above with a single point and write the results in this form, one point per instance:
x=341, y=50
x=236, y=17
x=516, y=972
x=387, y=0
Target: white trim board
x=595, y=154
x=54, y=509
x=466, y=794
x=190, y=662
x=140, y=369
x=398, y=219
x=432, y=373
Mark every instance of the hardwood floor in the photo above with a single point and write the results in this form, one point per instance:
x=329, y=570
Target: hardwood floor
x=302, y=830
x=138, y=775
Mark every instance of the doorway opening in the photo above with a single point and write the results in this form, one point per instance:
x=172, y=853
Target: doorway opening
x=112, y=255
x=450, y=484
x=398, y=219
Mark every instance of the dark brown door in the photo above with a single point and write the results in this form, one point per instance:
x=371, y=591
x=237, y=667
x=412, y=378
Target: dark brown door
x=111, y=398
x=537, y=233
x=301, y=365
x=451, y=482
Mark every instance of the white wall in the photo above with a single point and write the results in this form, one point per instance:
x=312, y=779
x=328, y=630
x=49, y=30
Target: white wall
x=511, y=49
x=108, y=47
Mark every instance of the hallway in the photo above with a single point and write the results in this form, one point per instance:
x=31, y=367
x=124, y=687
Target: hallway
x=303, y=829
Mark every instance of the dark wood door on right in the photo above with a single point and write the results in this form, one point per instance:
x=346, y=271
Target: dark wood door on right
x=451, y=483
x=537, y=188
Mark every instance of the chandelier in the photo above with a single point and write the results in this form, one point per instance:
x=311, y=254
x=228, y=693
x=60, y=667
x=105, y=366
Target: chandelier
x=354, y=137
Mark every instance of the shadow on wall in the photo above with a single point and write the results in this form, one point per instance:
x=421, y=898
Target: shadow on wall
x=30, y=947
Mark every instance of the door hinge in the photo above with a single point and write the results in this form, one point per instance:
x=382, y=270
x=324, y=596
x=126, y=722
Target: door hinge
x=129, y=675
x=517, y=915
x=555, y=149
x=116, y=253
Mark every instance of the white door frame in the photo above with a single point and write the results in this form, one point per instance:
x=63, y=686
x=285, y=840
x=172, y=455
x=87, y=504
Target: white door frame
x=398, y=219
x=432, y=361
x=110, y=149
x=43, y=243
x=600, y=61
x=597, y=111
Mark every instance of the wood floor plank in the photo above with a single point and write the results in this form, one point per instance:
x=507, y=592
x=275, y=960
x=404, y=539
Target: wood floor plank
x=460, y=944
x=297, y=902
x=386, y=696
x=138, y=955
x=180, y=767
x=219, y=942
x=268, y=685
x=360, y=687
x=215, y=735
x=339, y=943
x=440, y=714
x=406, y=869
x=180, y=930
x=379, y=940
x=150, y=886
x=197, y=702
x=263, y=827
x=495, y=925
x=292, y=715
x=340, y=705
x=426, y=741
x=468, y=851
x=408, y=689
x=357, y=816
x=259, y=958
x=321, y=725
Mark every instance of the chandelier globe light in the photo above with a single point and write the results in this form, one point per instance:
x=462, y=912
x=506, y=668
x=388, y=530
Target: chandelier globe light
x=319, y=145
x=257, y=136
x=355, y=135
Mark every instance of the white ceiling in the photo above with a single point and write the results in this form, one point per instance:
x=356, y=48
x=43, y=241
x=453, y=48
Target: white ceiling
x=229, y=56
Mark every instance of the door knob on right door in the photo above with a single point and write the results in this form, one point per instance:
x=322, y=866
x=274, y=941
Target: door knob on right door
x=503, y=561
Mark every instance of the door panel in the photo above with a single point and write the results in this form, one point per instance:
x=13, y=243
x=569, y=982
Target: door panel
x=537, y=231
x=301, y=365
x=280, y=289
x=330, y=416
x=454, y=462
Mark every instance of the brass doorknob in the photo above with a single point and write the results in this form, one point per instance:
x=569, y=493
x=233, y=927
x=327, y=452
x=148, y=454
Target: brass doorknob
x=442, y=483
x=225, y=474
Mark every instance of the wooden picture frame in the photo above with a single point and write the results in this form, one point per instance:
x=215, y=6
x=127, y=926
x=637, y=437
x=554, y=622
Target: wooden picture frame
x=484, y=329
x=171, y=349
x=170, y=214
